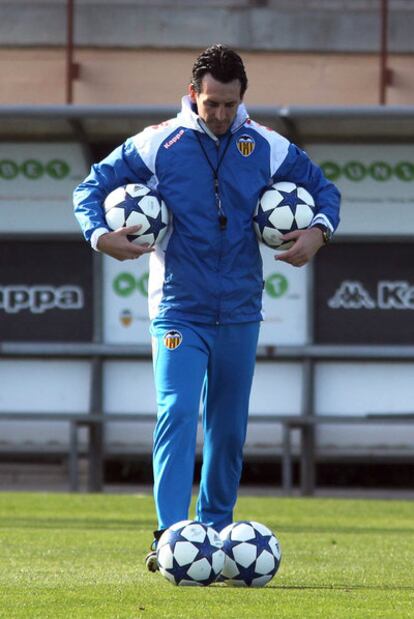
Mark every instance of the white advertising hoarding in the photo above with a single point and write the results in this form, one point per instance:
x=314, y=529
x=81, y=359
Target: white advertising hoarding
x=41, y=386
x=126, y=313
x=284, y=302
x=360, y=388
x=125, y=301
x=36, y=185
x=376, y=182
x=129, y=388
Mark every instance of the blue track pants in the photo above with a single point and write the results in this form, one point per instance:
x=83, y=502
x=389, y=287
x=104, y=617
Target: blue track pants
x=214, y=365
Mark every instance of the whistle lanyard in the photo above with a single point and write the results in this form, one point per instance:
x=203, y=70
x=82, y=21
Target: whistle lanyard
x=222, y=218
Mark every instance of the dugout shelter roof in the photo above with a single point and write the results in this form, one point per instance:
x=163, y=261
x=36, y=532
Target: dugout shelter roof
x=301, y=124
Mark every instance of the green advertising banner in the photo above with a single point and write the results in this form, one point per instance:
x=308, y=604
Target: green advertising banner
x=37, y=180
x=376, y=182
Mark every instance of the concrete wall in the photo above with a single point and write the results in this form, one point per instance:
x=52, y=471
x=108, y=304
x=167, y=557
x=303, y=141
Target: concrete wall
x=294, y=25
x=309, y=52
x=37, y=76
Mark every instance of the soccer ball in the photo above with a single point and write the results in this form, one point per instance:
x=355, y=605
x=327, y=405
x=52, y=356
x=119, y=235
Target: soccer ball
x=190, y=553
x=137, y=205
x=282, y=208
x=252, y=554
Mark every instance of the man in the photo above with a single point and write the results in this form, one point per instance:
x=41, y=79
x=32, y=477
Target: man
x=205, y=287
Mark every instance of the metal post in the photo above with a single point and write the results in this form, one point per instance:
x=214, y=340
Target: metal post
x=72, y=69
x=307, y=432
x=307, y=459
x=286, y=461
x=96, y=431
x=73, y=457
x=385, y=72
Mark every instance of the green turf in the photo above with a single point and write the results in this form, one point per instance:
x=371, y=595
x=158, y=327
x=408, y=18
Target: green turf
x=70, y=556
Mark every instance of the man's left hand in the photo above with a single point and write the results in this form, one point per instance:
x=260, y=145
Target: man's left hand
x=307, y=242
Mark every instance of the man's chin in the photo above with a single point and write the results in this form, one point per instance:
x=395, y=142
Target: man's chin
x=219, y=130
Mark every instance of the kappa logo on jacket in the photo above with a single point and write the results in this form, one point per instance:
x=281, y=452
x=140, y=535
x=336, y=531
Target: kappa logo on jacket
x=172, y=339
x=246, y=145
x=174, y=139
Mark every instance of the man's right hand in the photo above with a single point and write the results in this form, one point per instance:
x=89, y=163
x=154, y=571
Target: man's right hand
x=117, y=245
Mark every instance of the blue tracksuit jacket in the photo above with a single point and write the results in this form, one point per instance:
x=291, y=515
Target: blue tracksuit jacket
x=201, y=272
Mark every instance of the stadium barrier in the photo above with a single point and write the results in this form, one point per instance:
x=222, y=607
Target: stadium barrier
x=306, y=426
x=95, y=425
x=306, y=422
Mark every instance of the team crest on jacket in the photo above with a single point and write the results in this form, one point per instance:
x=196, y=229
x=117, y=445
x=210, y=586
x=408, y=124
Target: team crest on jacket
x=172, y=339
x=246, y=145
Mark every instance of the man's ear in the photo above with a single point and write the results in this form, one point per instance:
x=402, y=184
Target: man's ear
x=192, y=93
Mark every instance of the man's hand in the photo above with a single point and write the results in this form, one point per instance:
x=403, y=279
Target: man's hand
x=117, y=245
x=307, y=243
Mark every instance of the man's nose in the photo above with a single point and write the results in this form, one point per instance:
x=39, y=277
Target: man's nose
x=220, y=113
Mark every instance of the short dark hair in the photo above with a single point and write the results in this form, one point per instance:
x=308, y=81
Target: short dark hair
x=224, y=64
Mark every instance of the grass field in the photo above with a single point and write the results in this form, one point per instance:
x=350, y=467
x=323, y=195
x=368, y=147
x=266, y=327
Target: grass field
x=70, y=556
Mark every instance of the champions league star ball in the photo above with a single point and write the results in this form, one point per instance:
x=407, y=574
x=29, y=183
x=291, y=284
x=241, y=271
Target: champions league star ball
x=190, y=553
x=282, y=208
x=137, y=205
x=252, y=554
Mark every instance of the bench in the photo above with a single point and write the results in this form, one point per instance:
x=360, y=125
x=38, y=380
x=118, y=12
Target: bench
x=304, y=423
x=94, y=423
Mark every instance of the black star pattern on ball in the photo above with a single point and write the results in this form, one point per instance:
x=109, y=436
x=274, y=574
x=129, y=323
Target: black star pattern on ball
x=262, y=219
x=261, y=542
x=130, y=206
x=205, y=550
x=156, y=224
x=179, y=572
x=174, y=537
x=291, y=199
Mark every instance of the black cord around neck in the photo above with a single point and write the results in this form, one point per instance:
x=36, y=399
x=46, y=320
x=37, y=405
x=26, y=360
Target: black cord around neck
x=221, y=214
x=215, y=170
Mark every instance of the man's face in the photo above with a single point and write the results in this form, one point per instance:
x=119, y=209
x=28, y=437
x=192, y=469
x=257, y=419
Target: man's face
x=217, y=103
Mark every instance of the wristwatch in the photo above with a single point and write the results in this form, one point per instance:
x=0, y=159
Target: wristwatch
x=326, y=233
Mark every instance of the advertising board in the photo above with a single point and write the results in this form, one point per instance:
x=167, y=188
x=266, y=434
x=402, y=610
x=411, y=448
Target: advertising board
x=364, y=294
x=37, y=180
x=376, y=182
x=125, y=294
x=46, y=291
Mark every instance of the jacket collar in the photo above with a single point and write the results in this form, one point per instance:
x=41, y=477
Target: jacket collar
x=191, y=120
